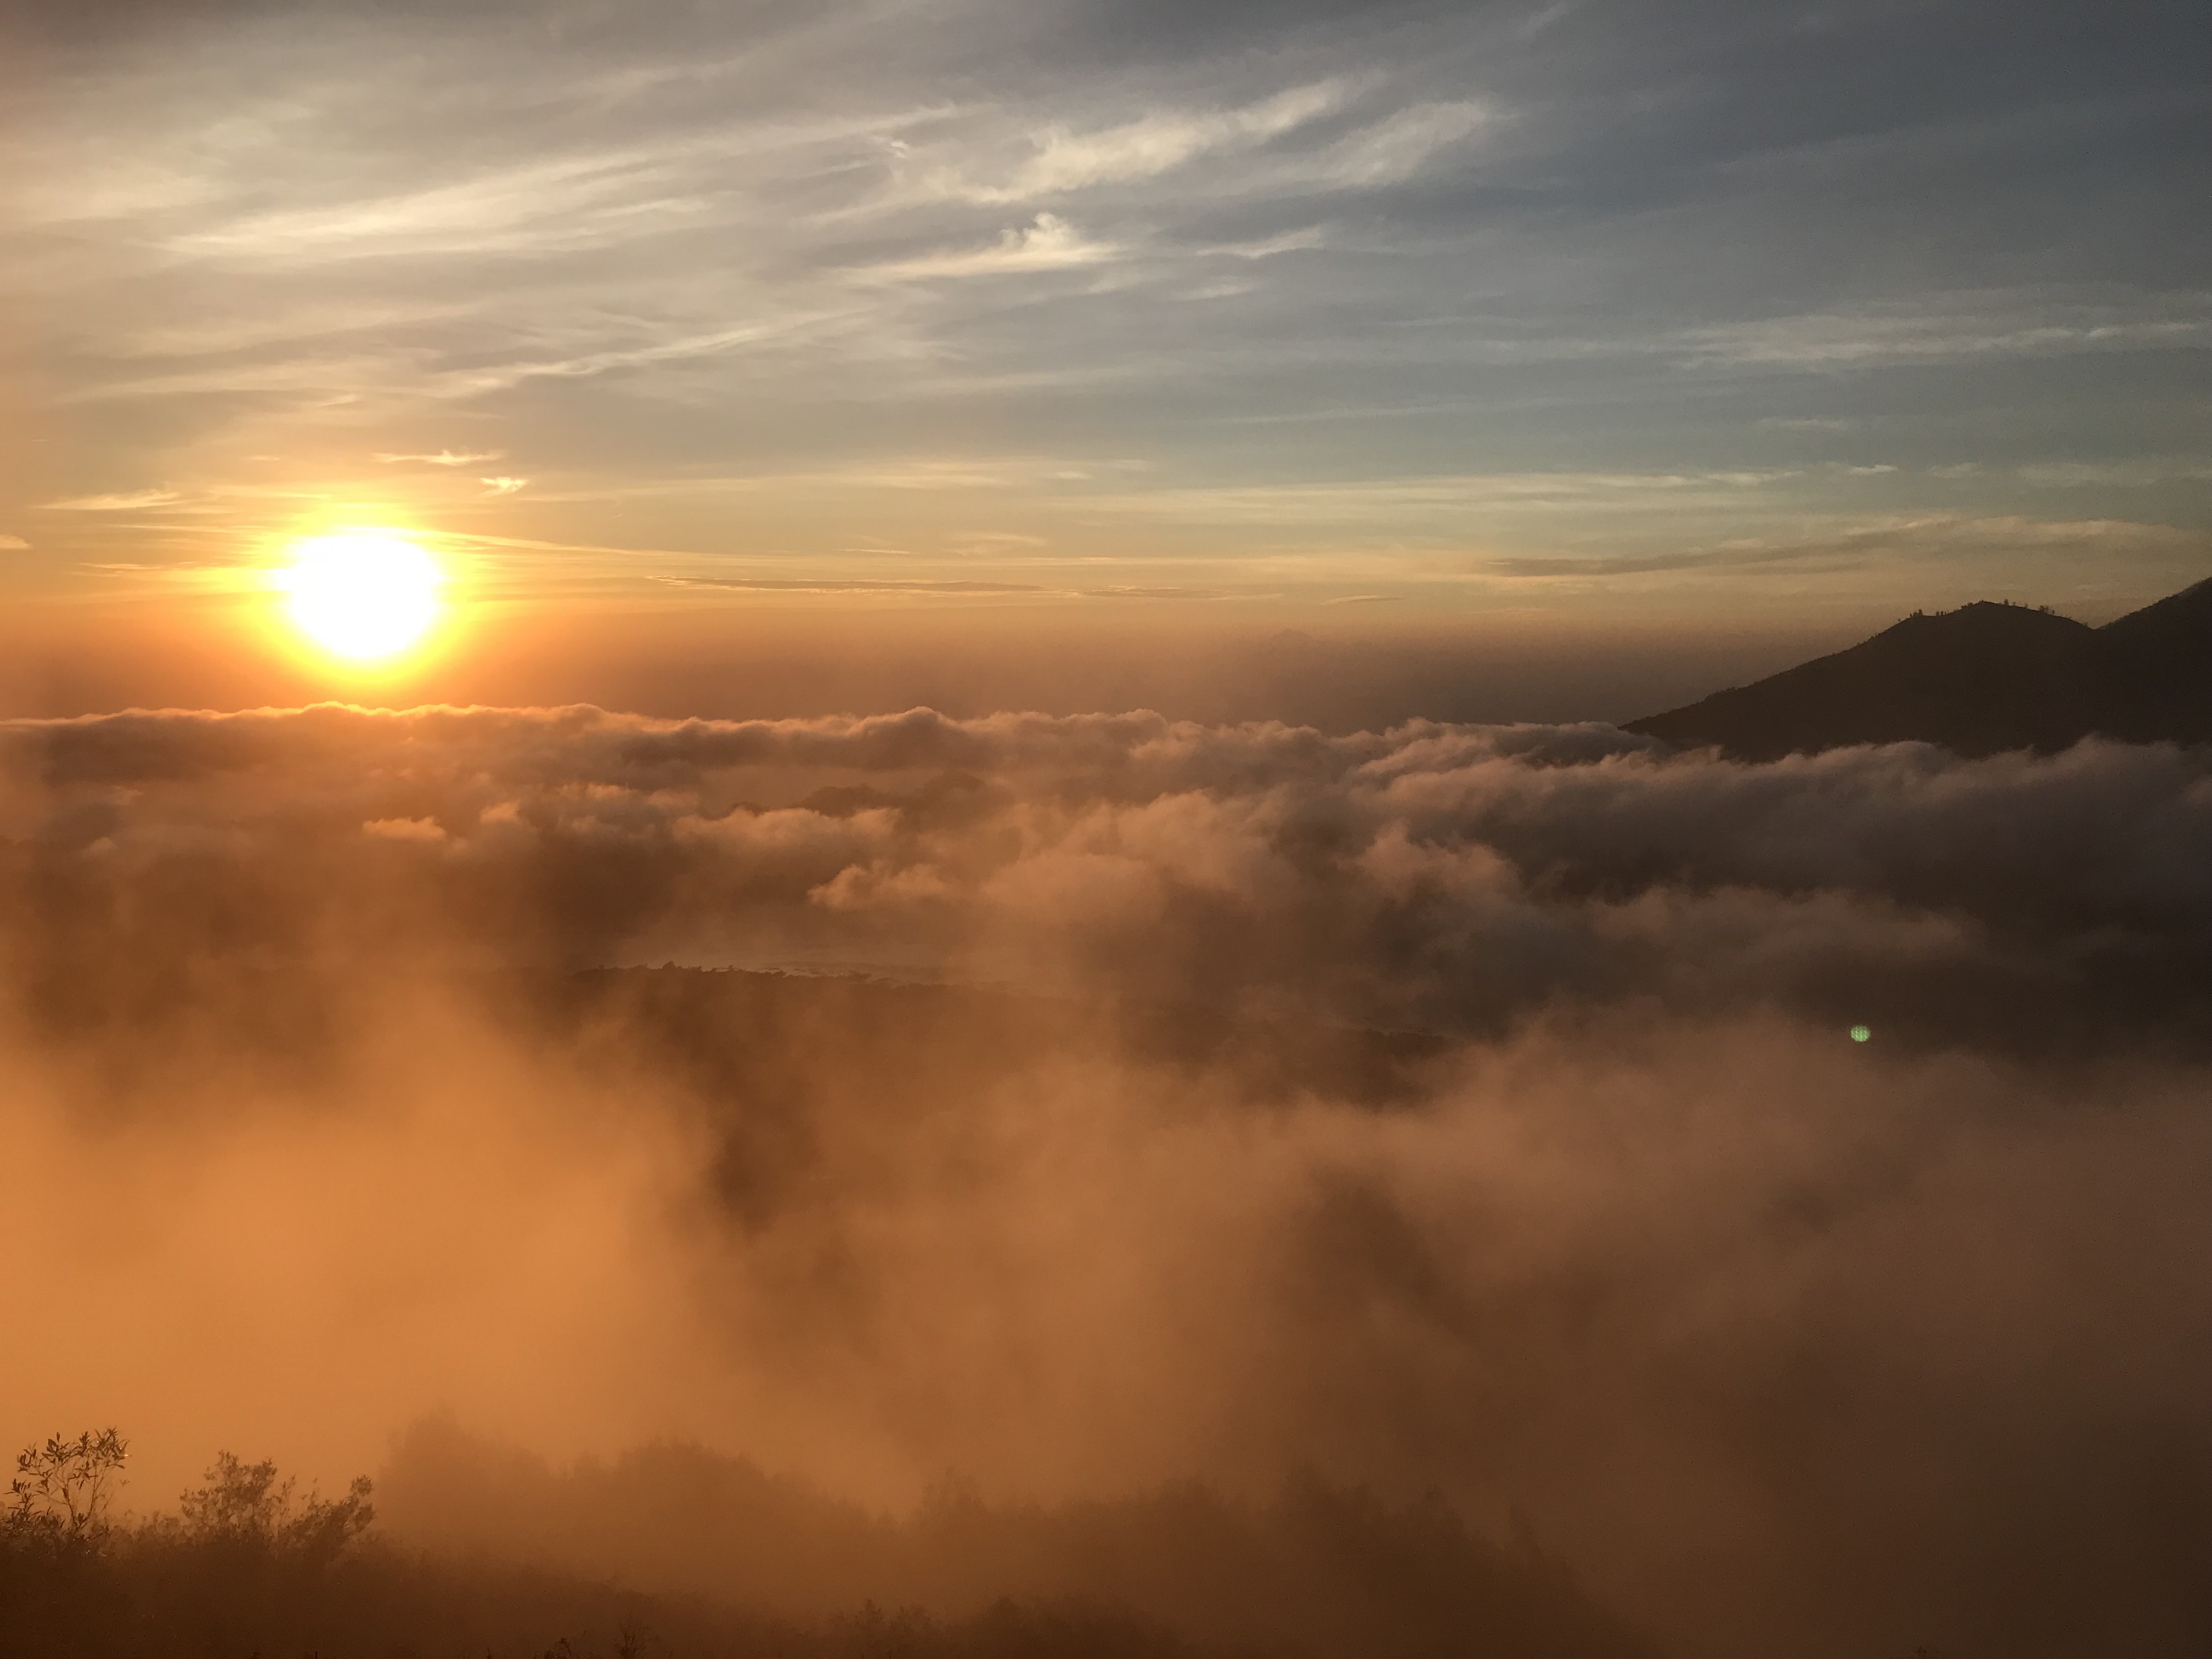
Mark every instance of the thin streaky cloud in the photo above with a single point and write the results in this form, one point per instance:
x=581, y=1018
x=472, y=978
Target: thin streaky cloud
x=2009, y=326
x=1382, y=498
x=573, y=201
x=1934, y=536
x=1154, y=144
x=1403, y=144
x=1155, y=593
x=848, y=585
x=476, y=382
x=1289, y=241
x=1046, y=243
x=446, y=458
x=130, y=501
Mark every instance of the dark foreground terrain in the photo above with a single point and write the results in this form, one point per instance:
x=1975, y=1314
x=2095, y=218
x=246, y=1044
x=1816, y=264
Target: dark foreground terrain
x=698, y=1556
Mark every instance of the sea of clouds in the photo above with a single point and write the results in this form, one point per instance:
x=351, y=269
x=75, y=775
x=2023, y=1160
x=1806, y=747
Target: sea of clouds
x=1785, y=1340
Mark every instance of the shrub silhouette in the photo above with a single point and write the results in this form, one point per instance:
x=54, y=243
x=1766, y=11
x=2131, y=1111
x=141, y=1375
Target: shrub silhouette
x=247, y=1566
x=246, y=1503
x=62, y=1489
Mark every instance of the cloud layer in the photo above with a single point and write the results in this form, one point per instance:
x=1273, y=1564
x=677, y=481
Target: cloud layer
x=1456, y=1106
x=1448, y=878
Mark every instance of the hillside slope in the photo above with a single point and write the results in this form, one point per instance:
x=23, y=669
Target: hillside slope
x=1979, y=680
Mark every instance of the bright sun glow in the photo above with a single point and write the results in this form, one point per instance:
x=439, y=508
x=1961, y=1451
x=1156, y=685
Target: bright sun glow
x=363, y=596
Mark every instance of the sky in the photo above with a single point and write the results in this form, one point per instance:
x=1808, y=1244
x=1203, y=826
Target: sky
x=913, y=332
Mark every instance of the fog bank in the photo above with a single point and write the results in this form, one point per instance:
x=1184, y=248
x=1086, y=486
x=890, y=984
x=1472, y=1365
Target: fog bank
x=1460, y=1109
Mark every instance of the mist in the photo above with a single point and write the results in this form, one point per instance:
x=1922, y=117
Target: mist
x=697, y=651
x=1042, y=1113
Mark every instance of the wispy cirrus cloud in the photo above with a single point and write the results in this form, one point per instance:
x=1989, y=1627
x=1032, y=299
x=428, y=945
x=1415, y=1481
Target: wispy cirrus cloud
x=449, y=458
x=1965, y=327
x=1936, y=537
x=127, y=501
x=852, y=585
x=1046, y=243
x=1155, y=593
x=573, y=201
x=1303, y=240
x=1401, y=144
x=1064, y=160
x=950, y=587
x=1388, y=499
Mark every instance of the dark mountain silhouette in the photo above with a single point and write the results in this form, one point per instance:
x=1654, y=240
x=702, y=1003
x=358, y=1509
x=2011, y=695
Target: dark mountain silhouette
x=1979, y=680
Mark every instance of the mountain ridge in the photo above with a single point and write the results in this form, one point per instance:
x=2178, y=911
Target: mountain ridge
x=1988, y=677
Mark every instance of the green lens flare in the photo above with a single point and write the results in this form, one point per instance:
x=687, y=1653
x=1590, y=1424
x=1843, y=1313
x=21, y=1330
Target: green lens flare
x=1861, y=1033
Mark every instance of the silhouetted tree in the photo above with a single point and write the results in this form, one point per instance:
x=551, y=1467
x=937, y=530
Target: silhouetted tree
x=63, y=1487
x=246, y=1503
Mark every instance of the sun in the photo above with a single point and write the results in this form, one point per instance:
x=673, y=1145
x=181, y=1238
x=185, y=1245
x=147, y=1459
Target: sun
x=362, y=595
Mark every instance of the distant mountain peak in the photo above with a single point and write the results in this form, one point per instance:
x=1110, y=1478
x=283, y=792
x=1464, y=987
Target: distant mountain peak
x=1989, y=677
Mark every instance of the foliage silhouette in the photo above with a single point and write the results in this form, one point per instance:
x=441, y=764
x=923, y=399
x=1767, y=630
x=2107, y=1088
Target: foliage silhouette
x=248, y=1568
x=246, y=1502
x=65, y=1487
